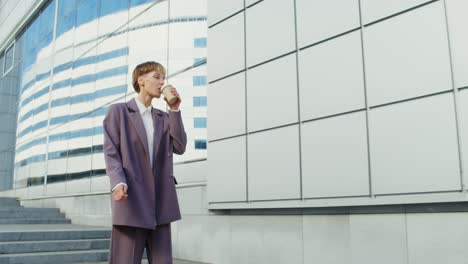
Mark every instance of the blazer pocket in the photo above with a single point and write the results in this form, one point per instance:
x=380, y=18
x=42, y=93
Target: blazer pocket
x=175, y=180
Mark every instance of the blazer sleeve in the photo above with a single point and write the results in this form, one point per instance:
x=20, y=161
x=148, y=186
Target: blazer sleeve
x=111, y=127
x=177, y=132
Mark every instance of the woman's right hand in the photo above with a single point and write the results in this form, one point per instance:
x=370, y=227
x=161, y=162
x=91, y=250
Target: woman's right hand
x=120, y=193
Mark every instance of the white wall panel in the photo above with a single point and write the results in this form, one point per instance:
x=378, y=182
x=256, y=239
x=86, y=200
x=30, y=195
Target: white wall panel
x=227, y=107
x=458, y=24
x=191, y=200
x=407, y=56
x=97, y=160
x=437, y=238
x=326, y=239
x=273, y=164
x=378, y=239
x=101, y=183
x=414, y=146
x=216, y=239
x=227, y=51
x=249, y=2
x=321, y=19
x=282, y=235
x=79, y=186
x=57, y=166
x=55, y=189
x=272, y=94
x=38, y=169
x=79, y=163
x=334, y=157
x=463, y=126
x=220, y=9
x=191, y=172
x=331, y=77
x=226, y=170
x=376, y=9
x=189, y=236
x=270, y=30
x=184, y=8
x=247, y=239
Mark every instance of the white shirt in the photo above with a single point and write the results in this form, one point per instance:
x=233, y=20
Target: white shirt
x=146, y=116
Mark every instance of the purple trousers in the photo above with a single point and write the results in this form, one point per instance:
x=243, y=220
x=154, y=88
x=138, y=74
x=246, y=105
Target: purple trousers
x=128, y=243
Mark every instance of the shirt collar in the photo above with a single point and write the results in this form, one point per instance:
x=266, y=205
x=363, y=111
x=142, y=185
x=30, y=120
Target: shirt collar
x=142, y=108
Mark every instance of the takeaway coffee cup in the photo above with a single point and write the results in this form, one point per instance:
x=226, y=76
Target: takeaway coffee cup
x=166, y=91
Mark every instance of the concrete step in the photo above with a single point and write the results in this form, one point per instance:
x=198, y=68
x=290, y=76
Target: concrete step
x=8, y=201
x=77, y=256
x=52, y=245
x=10, y=221
x=31, y=214
x=16, y=233
x=175, y=261
x=14, y=209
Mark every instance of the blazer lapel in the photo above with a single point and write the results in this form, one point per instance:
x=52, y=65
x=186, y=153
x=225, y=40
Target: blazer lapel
x=158, y=122
x=135, y=119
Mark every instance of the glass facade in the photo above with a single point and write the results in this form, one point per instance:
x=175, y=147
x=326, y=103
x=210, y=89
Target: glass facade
x=199, y=122
x=199, y=81
x=200, y=144
x=199, y=101
x=199, y=43
x=77, y=59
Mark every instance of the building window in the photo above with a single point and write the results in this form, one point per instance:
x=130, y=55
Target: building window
x=199, y=80
x=66, y=16
x=9, y=59
x=199, y=43
x=200, y=144
x=199, y=122
x=203, y=101
x=199, y=101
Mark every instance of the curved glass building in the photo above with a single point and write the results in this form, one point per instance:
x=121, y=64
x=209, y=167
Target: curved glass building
x=75, y=58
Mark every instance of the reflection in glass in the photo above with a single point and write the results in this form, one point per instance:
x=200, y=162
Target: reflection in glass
x=200, y=144
x=199, y=81
x=114, y=6
x=67, y=83
x=199, y=101
x=199, y=122
x=199, y=42
x=86, y=11
x=66, y=16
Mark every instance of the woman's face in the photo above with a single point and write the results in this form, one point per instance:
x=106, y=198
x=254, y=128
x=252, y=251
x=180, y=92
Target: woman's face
x=151, y=83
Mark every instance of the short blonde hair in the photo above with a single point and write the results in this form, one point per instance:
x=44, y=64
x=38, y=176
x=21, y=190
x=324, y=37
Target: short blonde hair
x=144, y=68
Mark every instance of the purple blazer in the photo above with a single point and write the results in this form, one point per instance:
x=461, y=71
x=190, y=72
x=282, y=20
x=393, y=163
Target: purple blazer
x=152, y=197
